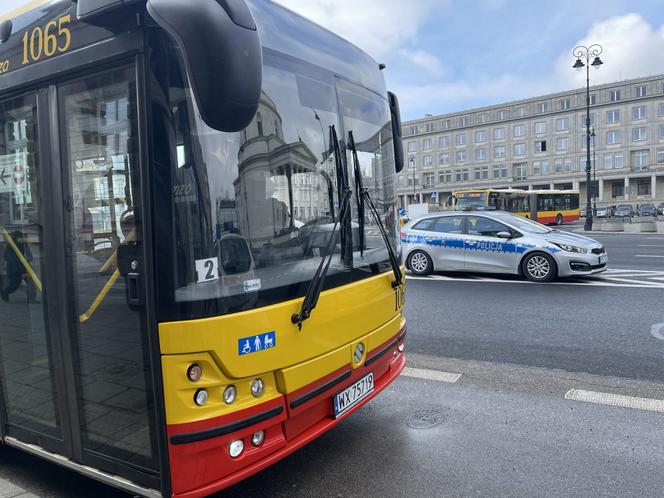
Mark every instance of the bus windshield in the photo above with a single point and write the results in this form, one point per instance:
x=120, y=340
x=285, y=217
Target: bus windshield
x=252, y=211
x=470, y=200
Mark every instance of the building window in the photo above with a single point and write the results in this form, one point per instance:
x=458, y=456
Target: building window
x=445, y=124
x=540, y=127
x=617, y=190
x=593, y=98
x=567, y=165
x=542, y=107
x=639, y=134
x=413, y=181
x=537, y=170
x=499, y=151
x=661, y=132
x=613, y=137
x=480, y=154
x=461, y=139
x=480, y=136
x=618, y=160
x=540, y=146
x=519, y=149
x=412, y=146
x=640, y=91
x=429, y=179
x=502, y=114
x=584, y=140
x=608, y=161
x=643, y=188
x=482, y=173
x=613, y=116
x=463, y=120
x=426, y=144
x=412, y=130
x=640, y=159
x=562, y=143
x=444, y=141
x=661, y=110
x=482, y=118
x=429, y=127
x=427, y=161
x=412, y=162
x=638, y=112
x=464, y=173
x=520, y=171
x=660, y=156
x=500, y=171
x=563, y=104
x=614, y=95
x=499, y=133
x=545, y=167
x=445, y=177
x=520, y=111
x=592, y=120
x=558, y=165
x=458, y=177
x=444, y=158
x=562, y=124
x=519, y=130
x=461, y=156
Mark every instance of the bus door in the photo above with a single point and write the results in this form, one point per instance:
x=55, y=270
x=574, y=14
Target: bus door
x=74, y=358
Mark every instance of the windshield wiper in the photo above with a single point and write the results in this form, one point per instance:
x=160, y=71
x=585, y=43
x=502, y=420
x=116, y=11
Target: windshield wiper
x=365, y=197
x=316, y=285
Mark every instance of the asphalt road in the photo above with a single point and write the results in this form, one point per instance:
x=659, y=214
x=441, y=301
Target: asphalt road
x=496, y=398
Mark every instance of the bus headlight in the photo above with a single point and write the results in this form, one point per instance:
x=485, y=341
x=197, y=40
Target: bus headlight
x=257, y=438
x=201, y=397
x=230, y=393
x=257, y=387
x=236, y=448
x=194, y=372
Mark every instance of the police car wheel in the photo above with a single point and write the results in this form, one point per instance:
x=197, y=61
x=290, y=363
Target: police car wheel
x=420, y=263
x=539, y=267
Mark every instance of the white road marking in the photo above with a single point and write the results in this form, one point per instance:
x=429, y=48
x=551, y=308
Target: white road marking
x=650, y=245
x=589, y=282
x=648, y=256
x=426, y=374
x=657, y=331
x=649, y=404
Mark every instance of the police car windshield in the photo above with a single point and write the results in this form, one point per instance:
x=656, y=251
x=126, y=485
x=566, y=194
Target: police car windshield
x=525, y=225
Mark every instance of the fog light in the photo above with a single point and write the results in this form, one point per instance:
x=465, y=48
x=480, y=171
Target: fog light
x=201, y=397
x=258, y=438
x=236, y=448
x=194, y=372
x=230, y=393
x=401, y=347
x=257, y=387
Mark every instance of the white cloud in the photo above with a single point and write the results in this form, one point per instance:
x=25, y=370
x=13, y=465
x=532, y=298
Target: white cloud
x=377, y=26
x=631, y=48
x=427, y=61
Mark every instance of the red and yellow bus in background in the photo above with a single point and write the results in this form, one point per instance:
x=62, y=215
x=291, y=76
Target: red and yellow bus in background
x=545, y=206
x=198, y=219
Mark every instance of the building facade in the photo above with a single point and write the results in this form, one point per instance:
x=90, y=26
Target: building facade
x=540, y=143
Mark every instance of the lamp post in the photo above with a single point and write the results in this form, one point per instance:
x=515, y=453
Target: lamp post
x=582, y=52
x=411, y=165
x=594, y=144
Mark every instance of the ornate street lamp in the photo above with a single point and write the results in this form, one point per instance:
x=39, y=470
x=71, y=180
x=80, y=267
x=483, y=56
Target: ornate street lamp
x=587, y=53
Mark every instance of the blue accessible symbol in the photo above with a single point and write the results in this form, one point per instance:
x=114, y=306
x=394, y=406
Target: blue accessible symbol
x=256, y=343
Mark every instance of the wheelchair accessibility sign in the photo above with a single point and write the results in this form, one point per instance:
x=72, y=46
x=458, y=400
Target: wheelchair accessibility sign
x=256, y=343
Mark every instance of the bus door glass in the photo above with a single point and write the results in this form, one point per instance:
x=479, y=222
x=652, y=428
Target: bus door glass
x=99, y=139
x=28, y=399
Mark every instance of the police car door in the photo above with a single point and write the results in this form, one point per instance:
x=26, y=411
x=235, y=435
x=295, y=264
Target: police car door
x=484, y=250
x=448, y=251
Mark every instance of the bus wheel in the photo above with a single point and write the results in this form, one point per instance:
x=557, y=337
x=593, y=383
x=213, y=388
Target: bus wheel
x=539, y=267
x=420, y=263
x=559, y=219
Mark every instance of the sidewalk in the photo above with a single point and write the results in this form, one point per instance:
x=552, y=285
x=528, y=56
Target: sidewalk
x=9, y=490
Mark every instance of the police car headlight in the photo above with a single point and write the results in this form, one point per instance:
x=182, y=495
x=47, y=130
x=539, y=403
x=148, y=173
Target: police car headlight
x=570, y=248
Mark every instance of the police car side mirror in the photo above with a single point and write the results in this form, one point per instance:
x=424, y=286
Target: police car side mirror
x=504, y=235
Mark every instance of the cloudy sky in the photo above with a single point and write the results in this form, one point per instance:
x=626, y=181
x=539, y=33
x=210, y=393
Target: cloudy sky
x=448, y=55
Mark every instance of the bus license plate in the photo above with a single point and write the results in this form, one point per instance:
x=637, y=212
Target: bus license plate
x=352, y=395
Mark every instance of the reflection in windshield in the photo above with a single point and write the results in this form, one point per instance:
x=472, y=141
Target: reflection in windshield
x=254, y=211
x=527, y=225
x=469, y=200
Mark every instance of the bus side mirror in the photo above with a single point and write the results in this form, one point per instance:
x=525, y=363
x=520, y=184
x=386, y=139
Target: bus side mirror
x=222, y=53
x=395, y=114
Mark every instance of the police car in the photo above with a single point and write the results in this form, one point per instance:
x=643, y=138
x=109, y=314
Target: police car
x=498, y=242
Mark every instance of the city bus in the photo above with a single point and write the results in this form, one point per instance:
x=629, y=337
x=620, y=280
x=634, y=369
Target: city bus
x=200, y=257
x=545, y=206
